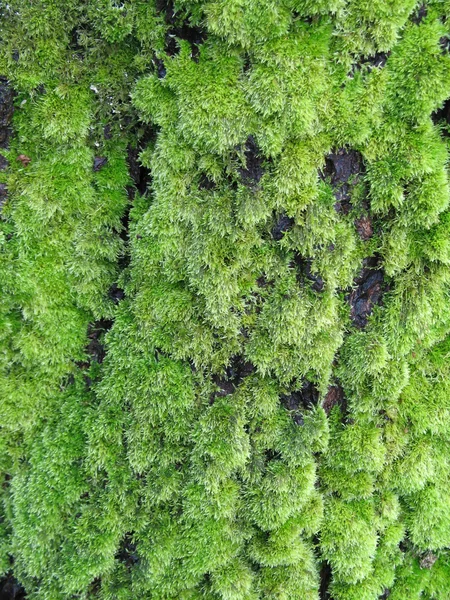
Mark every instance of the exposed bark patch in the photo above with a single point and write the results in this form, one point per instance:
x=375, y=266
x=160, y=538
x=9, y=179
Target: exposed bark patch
x=127, y=553
x=74, y=43
x=179, y=30
x=165, y=6
x=99, y=162
x=263, y=282
x=10, y=589
x=95, y=587
x=77, y=39
x=303, y=266
x=134, y=167
x=368, y=291
x=236, y=371
x=206, y=183
x=272, y=454
x=141, y=178
x=343, y=168
x=442, y=115
x=444, y=44
x=3, y=194
x=325, y=580
x=334, y=397
x=139, y=174
x=342, y=164
x=107, y=133
x=226, y=387
x=6, y=111
x=160, y=67
x=299, y=400
x=282, y=225
x=427, y=560
x=364, y=227
x=6, y=482
x=95, y=349
x=253, y=171
x=194, y=35
x=257, y=302
x=420, y=14
x=247, y=63
x=115, y=293
x=377, y=60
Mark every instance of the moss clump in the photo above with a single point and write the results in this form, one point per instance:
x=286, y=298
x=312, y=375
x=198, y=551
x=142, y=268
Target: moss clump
x=225, y=281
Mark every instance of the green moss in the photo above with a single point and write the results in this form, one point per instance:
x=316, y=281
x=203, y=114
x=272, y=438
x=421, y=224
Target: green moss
x=289, y=144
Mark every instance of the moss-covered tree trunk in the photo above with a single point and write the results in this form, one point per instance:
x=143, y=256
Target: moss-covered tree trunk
x=225, y=299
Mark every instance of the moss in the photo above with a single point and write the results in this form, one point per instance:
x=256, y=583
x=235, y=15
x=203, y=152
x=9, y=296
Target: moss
x=227, y=379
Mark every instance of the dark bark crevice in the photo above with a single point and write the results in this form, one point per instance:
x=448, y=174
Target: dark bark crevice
x=6, y=113
x=236, y=371
x=300, y=400
x=283, y=224
x=325, y=580
x=342, y=169
x=253, y=171
x=10, y=589
x=334, y=397
x=368, y=291
x=178, y=29
x=304, y=271
x=127, y=552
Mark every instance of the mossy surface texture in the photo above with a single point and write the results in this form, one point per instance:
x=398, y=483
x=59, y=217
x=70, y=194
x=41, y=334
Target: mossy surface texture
x=225, y=299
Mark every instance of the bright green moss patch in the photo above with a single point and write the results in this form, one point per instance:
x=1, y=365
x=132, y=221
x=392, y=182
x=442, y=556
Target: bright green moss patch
x=224, y=272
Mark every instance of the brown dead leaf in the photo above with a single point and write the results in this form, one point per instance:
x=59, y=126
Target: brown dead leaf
x=25, y=160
